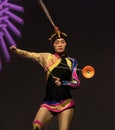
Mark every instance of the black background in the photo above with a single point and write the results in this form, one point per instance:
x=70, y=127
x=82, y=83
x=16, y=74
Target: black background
x=90, y=25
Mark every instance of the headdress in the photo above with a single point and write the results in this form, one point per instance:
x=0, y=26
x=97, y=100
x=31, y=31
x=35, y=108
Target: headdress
x=57, y=34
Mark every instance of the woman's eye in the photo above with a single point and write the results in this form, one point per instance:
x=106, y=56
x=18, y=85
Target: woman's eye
x=56, y=42
x=63, y=41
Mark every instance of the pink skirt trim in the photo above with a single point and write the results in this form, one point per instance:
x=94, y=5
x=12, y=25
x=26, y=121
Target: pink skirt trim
x=37, y=122
x=58, y=107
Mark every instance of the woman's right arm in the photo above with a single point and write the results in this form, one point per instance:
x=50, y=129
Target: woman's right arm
x=23, y=53
x=38, y=57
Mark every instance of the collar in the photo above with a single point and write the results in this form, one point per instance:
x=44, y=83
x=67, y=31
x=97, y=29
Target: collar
x=60, y=56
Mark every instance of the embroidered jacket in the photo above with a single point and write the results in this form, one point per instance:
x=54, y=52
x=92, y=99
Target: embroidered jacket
x=49, y=61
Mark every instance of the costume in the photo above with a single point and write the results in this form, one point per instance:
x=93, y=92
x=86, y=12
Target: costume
x=63, y=67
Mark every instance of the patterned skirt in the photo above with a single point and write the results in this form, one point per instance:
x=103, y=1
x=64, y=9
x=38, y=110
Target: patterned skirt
x=58, y=106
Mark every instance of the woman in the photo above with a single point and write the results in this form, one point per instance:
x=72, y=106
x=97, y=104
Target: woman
x=61, y=76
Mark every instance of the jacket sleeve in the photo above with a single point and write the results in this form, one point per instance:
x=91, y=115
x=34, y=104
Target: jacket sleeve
x=75, y=81
x=37, y=57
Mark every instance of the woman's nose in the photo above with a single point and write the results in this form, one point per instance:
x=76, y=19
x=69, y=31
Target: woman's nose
x=60, y=44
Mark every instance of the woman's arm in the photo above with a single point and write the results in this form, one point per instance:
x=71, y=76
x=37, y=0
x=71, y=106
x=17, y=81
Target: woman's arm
x=75, y=81
x=23, y=53
x=38, y=57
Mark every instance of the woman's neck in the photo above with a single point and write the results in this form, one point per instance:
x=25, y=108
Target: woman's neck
x=62, y=54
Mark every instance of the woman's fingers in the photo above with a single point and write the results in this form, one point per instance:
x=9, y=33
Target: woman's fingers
x=57, y=81
x=12, y=48
x=56, y=78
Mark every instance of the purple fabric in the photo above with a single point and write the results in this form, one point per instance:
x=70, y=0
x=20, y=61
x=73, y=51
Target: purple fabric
x=15, y=18
x=4, y=49
x=15, y=7
x=13, y=28
x=9, y=38
x=6, y=26
x=0, y=64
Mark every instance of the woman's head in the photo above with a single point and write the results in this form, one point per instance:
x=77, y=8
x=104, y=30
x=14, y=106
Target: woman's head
x=59, y=41
x=59, y=45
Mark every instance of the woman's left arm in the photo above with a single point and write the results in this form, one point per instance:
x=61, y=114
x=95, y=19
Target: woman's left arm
x=75, y=81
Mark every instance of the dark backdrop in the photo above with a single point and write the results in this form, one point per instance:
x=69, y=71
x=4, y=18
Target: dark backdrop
x=90, y=26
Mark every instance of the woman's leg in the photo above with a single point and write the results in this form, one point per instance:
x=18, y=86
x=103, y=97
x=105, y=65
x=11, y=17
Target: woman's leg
x=65, y=119
x=42, y=117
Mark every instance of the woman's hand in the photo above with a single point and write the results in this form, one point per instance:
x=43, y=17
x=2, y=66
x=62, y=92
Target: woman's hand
x=57, y=81
x=12, y=48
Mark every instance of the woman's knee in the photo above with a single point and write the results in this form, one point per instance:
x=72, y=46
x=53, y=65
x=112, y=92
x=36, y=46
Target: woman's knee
x=37, y=125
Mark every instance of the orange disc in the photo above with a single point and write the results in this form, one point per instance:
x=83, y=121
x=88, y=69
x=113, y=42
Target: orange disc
x=88, y=71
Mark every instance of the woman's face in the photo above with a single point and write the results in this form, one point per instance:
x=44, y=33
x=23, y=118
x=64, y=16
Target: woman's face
x=59, y=45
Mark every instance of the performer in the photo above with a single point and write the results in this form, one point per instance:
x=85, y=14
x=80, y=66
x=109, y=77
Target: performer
x=61, y=76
